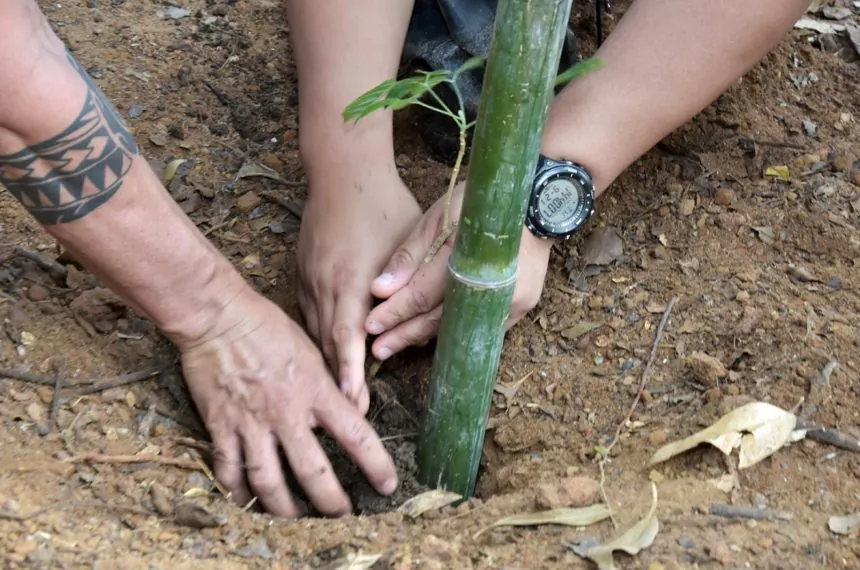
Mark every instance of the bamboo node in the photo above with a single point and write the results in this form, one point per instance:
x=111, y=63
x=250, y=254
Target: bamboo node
x=481, y=283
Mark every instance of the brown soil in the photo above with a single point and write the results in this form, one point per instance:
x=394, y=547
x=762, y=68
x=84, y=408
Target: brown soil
x=699, y=220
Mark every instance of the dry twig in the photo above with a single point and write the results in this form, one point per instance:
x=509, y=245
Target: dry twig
x=292, y=207
x=741, y=512
x=89, y=386
x=55, y=401
x=657, y=339
x=53, y=267
x=64, y=506
x=127, y=459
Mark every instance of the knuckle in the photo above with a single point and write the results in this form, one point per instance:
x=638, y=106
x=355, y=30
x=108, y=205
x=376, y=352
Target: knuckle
x=341, y=333
x=263, y=482
x=358, y=433
x=344, y=275
x=309, y=470
x=419, y=301
x=402, y=258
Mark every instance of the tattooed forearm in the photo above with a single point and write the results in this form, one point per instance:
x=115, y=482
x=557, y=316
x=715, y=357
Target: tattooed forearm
x=66, y=177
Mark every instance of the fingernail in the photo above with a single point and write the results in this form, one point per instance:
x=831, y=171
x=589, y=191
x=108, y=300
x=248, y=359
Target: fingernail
x=383, y=352
x=389, y=486
x=375, y=327
x=384, y=279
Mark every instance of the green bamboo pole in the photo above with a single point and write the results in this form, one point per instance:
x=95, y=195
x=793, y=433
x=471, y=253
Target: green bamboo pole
x=521, y=70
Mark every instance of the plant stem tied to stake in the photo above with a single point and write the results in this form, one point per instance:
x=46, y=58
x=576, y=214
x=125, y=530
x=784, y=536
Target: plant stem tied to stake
x=519, y=79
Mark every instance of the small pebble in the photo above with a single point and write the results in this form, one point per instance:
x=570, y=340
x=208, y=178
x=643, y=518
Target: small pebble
x=724, y=196
x=658, y=436
x=686, y=542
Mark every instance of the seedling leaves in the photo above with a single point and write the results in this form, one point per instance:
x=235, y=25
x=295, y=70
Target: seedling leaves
x=431, y=500
x=580, y=68
x=583, y=516
x=758, y=428
x=396, y=95
x=638, y=537
x=848, y=524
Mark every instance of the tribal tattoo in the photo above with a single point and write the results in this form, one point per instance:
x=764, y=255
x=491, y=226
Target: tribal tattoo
x=68, y=176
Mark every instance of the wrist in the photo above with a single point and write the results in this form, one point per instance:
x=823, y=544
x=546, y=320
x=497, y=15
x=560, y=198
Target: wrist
x=196, y=311
x=328, y=147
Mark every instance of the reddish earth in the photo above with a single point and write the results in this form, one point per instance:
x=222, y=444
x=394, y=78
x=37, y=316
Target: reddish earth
x=698, y=218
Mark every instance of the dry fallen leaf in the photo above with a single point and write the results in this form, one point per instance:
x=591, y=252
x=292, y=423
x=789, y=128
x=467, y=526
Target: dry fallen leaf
x=252, y=169
x=579, y=329
x=602, y=247
x=760, y=429
x=171, y=169
x=429, y=501
x=569, y=517
x=780, y=172
x=193, y=515
x=765, y=234
x=510, y=390
x=638, y=537
x=848, y=524
x=354, y=562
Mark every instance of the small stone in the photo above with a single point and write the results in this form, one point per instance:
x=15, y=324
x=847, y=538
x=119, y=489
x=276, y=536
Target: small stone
x=45, y=393
x=42, y=555
x=705, y=368
x=724, y=196
x=247, y=202
x=660, y=252
x=656, y=477
x=571, y=492
x=855, y=178
x=759, y=500
x=43, y=429
x=136, y=111
x=809, y=128
x=36, y=411
x=37, y=293
x=686, y=206
x=686, y=542
x=843, y=162
x=258, y=548
x=158, y=139
x=160, y=500
x=742, y=297
x=714, y=394
x=658, y=436
x=75, y=279
x=719, y=551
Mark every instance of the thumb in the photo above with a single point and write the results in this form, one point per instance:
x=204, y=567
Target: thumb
x=403, y=264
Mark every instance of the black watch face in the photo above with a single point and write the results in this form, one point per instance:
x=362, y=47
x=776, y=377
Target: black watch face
x=561, y=206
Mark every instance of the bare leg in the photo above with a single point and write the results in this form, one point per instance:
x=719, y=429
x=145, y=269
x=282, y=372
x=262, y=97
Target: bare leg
x=358, y=210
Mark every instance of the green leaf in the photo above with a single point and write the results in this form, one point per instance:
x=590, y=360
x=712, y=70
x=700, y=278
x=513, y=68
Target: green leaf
x=396, y=95
x=469, y=65
x=577, y=70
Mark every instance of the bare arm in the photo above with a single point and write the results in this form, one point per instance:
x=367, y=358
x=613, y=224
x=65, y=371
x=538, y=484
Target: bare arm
x=664, y=62
x=258, y=381
x=67, y=156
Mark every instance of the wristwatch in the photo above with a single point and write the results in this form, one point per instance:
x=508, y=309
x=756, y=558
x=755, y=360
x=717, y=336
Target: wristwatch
x=562, y=199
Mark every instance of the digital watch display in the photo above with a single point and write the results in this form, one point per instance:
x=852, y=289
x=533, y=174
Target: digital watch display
x=562, y=199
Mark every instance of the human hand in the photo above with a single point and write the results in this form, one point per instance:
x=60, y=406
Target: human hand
x=413, y=291
x=260, y=383
x=350, y=226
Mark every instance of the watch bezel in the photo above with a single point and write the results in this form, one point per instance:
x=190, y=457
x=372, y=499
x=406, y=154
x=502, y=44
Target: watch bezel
x=549, y=170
